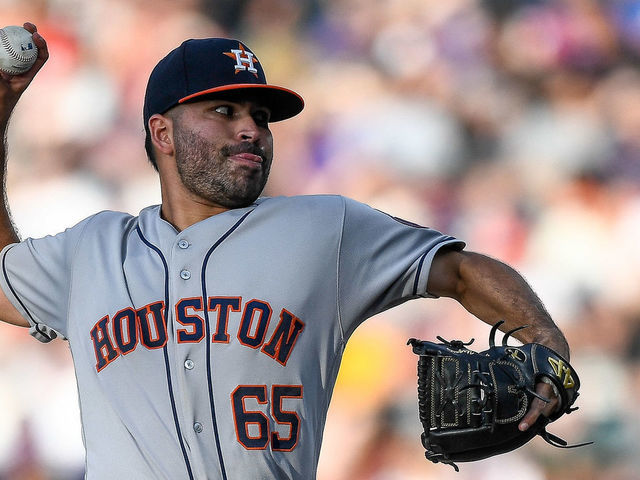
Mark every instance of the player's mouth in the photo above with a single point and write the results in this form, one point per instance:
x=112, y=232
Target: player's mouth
x=250, y=159
x=245, y=154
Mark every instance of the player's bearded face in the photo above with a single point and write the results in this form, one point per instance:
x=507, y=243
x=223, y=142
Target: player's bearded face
x=207, y=169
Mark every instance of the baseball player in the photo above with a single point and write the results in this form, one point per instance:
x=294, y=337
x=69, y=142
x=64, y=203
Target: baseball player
x=207, y=332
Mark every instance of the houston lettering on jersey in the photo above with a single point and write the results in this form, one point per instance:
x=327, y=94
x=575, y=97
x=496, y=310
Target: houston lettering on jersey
x=124, y=331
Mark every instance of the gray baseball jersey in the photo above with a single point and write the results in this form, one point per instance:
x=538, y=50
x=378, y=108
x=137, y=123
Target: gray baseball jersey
x=212, y=352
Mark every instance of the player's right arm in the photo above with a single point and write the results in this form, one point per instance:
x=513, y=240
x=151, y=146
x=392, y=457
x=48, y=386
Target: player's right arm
x=11, y=89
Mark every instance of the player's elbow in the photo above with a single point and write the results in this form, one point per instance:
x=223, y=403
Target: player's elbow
x=445, y=275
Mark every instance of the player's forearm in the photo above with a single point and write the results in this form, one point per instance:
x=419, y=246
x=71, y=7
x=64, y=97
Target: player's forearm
x=12, y=86
x=8, y=232
x=493, y=291
x=8, y=101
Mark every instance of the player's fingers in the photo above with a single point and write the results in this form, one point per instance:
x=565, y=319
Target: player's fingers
x=43, y=56
x=539, y=407
x=532, y=415
x=43, y=49
x=13, y=86
x=41, y=43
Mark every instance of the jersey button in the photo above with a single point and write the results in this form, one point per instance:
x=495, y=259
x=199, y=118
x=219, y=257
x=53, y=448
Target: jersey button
x=189, y=364
x=185, y=274
x=183, y=244
x=197, y=427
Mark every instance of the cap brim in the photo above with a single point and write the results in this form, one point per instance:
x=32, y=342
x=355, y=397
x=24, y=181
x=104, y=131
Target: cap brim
x=282, y=102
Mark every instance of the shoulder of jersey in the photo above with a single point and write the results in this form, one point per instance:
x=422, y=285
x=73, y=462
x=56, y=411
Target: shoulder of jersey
x=321, y=200
x=107, y=220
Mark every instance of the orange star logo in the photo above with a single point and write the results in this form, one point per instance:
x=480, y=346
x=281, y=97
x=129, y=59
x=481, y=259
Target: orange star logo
x=244, y=60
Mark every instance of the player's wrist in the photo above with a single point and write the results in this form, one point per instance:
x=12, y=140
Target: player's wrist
x=556, y=342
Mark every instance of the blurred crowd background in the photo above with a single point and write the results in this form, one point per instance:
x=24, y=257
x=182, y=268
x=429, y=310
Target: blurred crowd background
x=512, y=124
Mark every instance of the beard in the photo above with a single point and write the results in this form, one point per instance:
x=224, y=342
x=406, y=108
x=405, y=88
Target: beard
x=206, y=171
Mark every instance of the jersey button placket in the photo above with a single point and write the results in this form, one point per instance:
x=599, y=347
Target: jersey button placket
x=191, y=353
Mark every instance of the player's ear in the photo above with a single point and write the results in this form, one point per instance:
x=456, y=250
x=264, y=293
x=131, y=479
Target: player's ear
x=161, y=131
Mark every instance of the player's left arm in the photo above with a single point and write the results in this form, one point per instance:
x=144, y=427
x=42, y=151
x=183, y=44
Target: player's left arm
x=493, y=291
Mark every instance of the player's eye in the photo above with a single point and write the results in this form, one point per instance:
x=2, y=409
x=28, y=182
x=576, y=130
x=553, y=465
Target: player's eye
x=261, y=117
x=225, y=110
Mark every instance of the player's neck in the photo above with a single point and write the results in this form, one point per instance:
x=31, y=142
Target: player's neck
x=182, y=216
x=182, y=208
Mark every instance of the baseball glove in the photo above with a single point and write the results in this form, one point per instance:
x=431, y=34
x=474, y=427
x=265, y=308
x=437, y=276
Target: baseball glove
x=471, y=403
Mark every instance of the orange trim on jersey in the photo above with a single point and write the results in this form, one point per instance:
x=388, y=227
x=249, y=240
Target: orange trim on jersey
x=105, y=342
x=277, y=339
x=258, y=412
x=230, y=308
x=161, y=323
x=275, y=434
x=260, y=341
x=135, y=327
x=193, y=326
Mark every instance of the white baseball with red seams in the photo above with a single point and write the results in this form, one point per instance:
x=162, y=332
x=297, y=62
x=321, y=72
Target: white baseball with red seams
x=18, y=52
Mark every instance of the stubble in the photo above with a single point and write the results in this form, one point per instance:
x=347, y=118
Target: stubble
x=206, y=171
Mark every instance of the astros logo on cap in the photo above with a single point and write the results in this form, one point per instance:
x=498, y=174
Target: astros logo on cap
x=244, y=59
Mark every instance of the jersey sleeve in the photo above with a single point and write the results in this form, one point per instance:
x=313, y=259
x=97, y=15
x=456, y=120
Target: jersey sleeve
x=383, y=262
x=36, y=278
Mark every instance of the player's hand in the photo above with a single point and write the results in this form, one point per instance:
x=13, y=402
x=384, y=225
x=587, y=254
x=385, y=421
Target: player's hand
x=539, y=407
x=12, y=86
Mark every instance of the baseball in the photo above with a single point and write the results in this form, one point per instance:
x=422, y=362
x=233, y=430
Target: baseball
x=18, y=53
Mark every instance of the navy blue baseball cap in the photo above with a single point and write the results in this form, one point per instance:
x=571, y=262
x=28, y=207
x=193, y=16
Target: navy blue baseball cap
x=214, y=67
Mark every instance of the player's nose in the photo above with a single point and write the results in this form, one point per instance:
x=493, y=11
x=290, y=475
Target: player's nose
x=245, y=126
x=250, y=122
x=248, y=129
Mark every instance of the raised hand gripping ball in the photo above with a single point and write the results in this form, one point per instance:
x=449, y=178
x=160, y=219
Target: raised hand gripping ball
x=18, y=52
